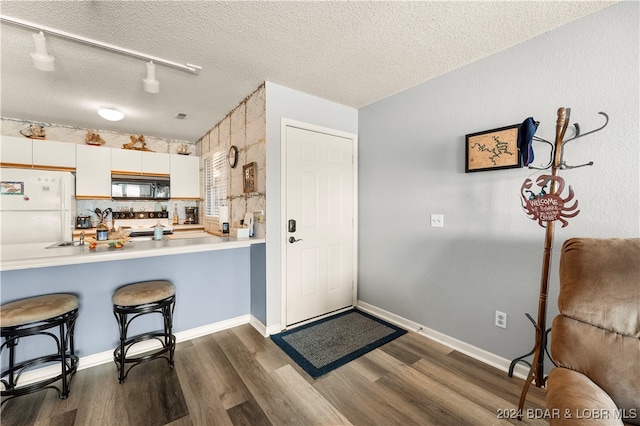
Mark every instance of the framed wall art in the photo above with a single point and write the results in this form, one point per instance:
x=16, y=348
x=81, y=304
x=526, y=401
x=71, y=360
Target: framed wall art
x=492, y=150
x=250, y=173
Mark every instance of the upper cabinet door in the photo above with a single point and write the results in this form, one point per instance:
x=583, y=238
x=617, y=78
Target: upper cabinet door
x=156, y=164
x=16, y=152
x=54, y=155
x=185, y=177
x=93, y=172
x=126, y=161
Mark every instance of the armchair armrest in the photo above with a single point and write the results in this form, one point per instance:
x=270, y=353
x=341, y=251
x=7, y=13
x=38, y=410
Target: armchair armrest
x=573, y=399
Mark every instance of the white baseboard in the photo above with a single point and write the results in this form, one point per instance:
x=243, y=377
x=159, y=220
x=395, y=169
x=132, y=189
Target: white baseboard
x=474, y=352
x=99, y=358
x=259, y=326
x=273, y=329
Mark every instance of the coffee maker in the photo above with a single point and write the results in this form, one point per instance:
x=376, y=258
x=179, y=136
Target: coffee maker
x=190, y=215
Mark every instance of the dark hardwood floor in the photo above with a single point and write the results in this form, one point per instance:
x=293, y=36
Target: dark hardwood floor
x=237, y=377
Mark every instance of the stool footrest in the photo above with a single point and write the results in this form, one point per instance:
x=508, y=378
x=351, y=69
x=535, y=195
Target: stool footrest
x=165, y=351
x=17, y=390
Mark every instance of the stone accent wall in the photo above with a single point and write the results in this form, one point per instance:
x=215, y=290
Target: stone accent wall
x=244, y=127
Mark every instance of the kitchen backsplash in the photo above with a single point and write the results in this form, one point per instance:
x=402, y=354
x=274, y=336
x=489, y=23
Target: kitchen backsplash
x=86, y=207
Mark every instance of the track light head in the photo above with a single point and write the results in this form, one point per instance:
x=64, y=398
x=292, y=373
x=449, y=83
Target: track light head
x=40, y=58
x=151, y=85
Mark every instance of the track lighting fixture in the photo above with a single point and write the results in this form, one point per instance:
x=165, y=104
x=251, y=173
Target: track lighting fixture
x=151, y=85
x=110, y=113
x=45, y=61
x=41, y=58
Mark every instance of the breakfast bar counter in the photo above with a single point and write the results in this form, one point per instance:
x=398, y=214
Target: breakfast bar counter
x=37, y=255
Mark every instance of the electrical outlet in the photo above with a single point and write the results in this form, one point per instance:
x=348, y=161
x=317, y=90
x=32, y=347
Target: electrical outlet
x=437, y=220
x=501, y=319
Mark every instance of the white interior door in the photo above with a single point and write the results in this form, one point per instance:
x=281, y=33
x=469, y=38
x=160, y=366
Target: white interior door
x=319, y=210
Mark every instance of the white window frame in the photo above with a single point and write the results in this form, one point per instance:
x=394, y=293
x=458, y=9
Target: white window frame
x=216, y=183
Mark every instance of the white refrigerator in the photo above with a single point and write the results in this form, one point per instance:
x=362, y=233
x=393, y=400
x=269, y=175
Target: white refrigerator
x=36, y=206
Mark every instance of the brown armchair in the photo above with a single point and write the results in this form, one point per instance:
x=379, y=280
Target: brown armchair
x=595, y=341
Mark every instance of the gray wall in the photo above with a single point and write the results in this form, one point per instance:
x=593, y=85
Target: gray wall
x=283, y=102
x=488, y=255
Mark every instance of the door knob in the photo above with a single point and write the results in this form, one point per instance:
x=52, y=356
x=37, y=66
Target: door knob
x=294, y=240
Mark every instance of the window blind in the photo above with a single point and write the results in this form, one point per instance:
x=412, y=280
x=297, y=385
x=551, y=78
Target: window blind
x=215, y=183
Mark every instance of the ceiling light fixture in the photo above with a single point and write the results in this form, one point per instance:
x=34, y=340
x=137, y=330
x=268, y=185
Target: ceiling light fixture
x=110, y=113
x=151, y=85
x=41, y=58
x=195, y=69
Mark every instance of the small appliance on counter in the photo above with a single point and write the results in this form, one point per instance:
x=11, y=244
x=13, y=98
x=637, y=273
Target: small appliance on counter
x=190, y=215
x=83, y=222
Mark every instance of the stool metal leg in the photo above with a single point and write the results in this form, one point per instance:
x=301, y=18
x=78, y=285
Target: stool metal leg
x=119, y=353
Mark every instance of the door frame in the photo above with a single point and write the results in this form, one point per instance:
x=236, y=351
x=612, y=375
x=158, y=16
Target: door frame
x=287, y=122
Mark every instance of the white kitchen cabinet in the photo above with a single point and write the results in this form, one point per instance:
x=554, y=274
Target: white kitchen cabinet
x=16, y=152
x=93, y=172
x=133, y=162
x=126, y=161
x=155, y=163
x=54, y=155
x=185, y=177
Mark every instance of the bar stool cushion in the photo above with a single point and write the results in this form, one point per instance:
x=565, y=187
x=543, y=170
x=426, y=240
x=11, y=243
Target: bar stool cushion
x=38, y=308
x=142, y=293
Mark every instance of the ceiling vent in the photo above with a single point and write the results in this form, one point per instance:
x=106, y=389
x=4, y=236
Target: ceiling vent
x=181, y=116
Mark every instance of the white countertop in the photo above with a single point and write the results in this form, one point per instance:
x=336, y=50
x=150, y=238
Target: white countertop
x=36, y=255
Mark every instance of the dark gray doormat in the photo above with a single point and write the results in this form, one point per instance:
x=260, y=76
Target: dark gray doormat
x=324, y=345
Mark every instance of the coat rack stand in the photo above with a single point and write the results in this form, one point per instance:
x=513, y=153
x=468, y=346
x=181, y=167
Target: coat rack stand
x=536, y=372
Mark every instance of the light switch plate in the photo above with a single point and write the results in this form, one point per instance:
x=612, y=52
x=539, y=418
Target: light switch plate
x=437, y=221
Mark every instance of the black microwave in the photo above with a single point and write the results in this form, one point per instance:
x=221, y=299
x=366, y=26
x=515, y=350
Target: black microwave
x=140, y=188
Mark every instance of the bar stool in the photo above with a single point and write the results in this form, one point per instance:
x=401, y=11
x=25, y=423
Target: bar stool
x=140, y=299
x=36, y=316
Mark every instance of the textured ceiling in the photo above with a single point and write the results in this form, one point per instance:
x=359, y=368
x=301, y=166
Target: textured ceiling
x=353, y=53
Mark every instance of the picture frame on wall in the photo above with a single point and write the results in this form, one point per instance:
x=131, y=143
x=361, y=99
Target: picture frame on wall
x=492, y=150
x=249, y=171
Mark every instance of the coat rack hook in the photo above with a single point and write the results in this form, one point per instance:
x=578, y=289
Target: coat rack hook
x=579, y=135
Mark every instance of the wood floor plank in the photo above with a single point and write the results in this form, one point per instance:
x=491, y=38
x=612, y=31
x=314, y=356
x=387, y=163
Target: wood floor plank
x=202, y=386
x=229, y=386
x=262, y=348
x=473, y=392
x=24, y=410
x=360, y=400
x=306, y=399
x=376, y=364
x=185, y=421
x=101, y=400
x=154, y=394
x=67, y=418
x=512, y=386
x=248, y=413
x=440, y=404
